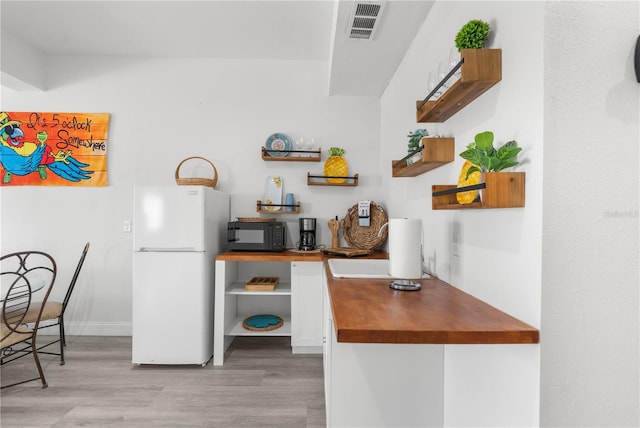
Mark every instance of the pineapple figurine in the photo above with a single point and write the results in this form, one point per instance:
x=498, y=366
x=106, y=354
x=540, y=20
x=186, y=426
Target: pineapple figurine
x=336, y=166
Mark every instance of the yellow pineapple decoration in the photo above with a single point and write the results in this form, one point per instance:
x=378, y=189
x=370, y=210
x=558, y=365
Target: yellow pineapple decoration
x=336, y=166
x=463, y=180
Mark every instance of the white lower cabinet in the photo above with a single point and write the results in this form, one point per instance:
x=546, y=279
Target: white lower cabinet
x=306, y=307
x=297, y=300
x=381, y=385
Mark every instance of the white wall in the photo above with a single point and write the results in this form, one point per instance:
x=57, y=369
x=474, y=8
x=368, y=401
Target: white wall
x=590, y=280
x=500, y=259
x=162, y=111
x=575, y=275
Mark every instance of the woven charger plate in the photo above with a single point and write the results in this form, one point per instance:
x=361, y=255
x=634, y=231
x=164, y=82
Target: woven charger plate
x=365, y=237
x=262, y=322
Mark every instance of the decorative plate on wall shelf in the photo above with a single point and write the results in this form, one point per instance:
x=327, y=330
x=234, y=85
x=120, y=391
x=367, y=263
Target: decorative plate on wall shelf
x=278, y=142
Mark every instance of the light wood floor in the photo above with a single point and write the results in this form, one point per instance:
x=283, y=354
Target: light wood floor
x=260, y=385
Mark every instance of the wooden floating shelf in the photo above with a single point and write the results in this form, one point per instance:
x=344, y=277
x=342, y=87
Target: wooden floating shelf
x=349, y=181
x=312, y=155
x=264, y=208
x=481, y=69
x=435, y=152
x=503, y=190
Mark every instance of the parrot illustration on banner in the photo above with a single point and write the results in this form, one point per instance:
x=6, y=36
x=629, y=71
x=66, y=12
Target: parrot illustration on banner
x=19, y=157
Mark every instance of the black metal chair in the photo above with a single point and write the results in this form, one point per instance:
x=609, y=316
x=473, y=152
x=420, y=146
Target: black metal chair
x=54, y=310
x=21, y=274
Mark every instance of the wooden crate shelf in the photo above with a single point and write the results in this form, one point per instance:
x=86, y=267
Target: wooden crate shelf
x=502, y=190
x=435, y=152
x=481, y=69
x=298, y=155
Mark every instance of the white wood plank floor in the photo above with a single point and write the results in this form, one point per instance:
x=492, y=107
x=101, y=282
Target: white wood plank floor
x=260, y=385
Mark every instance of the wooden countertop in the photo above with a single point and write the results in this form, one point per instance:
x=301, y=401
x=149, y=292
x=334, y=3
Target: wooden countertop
x=368, y=311
x=276, y=256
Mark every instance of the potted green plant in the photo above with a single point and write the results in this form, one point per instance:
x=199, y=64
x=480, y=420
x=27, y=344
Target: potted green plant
x=486, y=158
x=472, y=35
x=502, y=188
x=415, y=138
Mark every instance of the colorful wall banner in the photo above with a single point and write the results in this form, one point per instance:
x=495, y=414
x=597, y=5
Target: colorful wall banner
x=53, y=149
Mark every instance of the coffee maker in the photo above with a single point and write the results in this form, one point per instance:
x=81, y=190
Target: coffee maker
x=307, y=234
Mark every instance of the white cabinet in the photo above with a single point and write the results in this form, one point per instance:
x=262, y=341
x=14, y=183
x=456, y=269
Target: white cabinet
x=306, y=307
x=326, y=351
x=381, y=385
x=297, y=300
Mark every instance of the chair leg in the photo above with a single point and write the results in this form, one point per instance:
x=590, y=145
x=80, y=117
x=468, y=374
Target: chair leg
x=62, y=341
x=34, y=351
x=63, y=336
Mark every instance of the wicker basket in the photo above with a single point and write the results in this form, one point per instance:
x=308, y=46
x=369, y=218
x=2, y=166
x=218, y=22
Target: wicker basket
x=210, y=182
x=365, y=238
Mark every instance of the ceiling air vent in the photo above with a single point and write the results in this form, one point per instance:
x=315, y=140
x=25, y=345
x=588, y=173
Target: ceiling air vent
x=364, y=20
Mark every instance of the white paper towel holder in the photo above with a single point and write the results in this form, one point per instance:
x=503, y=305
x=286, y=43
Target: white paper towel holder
x=401, y=284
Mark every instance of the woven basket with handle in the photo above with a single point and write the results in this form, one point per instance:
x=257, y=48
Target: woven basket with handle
x=210, y=182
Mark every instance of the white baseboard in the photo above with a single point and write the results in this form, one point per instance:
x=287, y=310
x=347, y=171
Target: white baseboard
x=92, y=329
x=306, y=350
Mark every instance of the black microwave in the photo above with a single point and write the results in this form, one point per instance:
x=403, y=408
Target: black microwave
x=256, y=236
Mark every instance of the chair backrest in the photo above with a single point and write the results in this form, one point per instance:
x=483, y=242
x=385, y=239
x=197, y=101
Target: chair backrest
x=21, y=274
x=72, y=284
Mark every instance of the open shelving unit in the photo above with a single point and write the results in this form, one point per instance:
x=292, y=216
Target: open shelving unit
x=435, y=151
x=235, y=328
x=264, y=208
x=298, y=155
x=480, y=70
x=315, y=180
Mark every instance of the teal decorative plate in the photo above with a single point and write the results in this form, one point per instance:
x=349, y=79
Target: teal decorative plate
x=278, y=142
x=262, y=322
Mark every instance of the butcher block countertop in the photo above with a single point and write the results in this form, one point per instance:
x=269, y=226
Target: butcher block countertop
x=368, y=311
x=275, y=256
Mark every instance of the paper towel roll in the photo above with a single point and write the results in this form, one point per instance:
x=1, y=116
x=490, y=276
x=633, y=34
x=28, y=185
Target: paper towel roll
x=405, y=248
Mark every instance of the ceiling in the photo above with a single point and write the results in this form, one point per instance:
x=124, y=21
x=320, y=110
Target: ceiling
x=240, y=29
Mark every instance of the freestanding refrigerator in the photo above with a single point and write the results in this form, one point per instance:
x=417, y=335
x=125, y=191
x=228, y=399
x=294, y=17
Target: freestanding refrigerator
x=177, y=233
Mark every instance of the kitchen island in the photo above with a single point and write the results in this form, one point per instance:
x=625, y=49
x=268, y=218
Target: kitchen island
x=385, y=353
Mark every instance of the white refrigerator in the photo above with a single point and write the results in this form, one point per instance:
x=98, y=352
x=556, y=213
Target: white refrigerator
x=177, y=233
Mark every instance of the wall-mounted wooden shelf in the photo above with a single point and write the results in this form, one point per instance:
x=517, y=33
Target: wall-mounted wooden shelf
x=314, y=180
x=481, y=69
x=264, y=208
x=436, y=152
x=293, y=155
x=502, y=190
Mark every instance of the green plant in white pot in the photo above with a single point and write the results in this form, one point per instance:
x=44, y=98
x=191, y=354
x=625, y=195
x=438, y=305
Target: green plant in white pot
x=486, y=158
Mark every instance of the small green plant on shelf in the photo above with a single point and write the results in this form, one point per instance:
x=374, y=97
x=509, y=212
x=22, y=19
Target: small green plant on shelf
x=486, y=158
x=415, y=138
x=472, y=35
